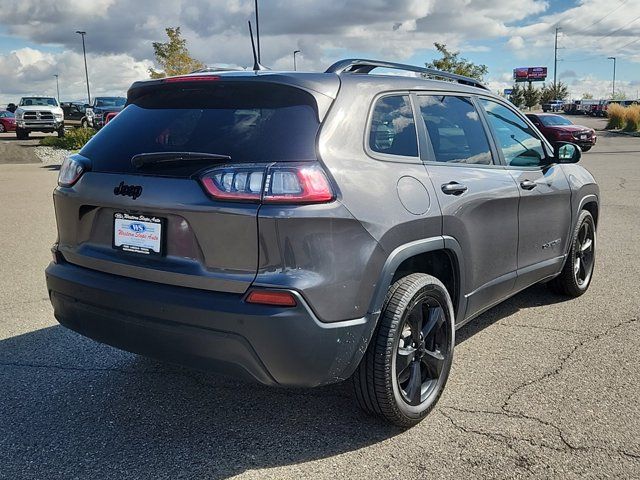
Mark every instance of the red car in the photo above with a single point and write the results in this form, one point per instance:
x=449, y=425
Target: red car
x=7, y=121
x=556, y=128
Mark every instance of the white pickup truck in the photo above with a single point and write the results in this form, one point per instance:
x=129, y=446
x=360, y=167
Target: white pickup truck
x=39, y=114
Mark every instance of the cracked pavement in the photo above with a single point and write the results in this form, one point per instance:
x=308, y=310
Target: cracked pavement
x=541, y=387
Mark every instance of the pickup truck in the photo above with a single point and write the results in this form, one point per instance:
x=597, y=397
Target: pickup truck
x=39, y=114
x=74, y=114
x=553, y=106
x=97, y=112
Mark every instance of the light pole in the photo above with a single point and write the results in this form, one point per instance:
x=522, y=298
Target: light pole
x=86, y=72
x=613, y=90
x=294, y=59
x=57, y=87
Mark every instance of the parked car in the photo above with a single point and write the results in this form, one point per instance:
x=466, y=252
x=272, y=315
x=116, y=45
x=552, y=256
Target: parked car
x=74, y=114
x=39, y=114
x=556, y=128
x=7, y=121
x=303, y=229
x=101, y=106
x=553, y=106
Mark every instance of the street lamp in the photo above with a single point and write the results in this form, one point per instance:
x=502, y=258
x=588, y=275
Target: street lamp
x=86, y=72
x=57, y=87
x=613, y=92
x=294, y=59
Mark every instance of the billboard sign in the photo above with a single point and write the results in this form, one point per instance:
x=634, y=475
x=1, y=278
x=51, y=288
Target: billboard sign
x=530, y=74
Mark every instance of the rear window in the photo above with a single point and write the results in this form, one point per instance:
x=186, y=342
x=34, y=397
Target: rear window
x=249, y=123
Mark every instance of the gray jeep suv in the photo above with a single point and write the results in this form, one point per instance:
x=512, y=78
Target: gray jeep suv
x=302, y=229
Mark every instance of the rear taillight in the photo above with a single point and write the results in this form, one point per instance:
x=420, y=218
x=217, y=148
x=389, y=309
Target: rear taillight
x=72, y=169
x=276, y=183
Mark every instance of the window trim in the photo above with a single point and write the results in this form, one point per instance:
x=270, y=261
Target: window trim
x=546, y=146
x=387, y=157
x=426, y=140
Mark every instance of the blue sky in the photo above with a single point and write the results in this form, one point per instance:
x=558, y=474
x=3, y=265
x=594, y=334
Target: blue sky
x=37, y=39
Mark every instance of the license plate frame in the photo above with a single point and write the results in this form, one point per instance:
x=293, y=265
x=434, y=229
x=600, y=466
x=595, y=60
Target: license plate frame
x=139, y=239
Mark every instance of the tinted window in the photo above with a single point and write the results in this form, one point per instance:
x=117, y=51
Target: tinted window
x=554, y=120
x=39, y=101
x=455, y=130
x=393, y=130
x=250, y=123
x=110, y=101
x=520, y=145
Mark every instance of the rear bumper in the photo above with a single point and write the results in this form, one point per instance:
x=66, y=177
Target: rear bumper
x=207, y=330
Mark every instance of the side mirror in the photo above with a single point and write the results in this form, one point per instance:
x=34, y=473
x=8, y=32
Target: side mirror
x=566, y=152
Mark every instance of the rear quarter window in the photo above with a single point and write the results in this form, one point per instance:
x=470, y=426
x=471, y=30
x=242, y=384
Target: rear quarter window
x=393, y=130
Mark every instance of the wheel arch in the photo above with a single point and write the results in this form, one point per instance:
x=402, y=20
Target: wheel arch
x=438, y=256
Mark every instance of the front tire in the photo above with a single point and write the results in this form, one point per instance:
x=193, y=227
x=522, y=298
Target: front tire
x=22, y=134
x=60, y=132
x=576, y=275
x=2, y=129
x=586, y=149
x=407, y=363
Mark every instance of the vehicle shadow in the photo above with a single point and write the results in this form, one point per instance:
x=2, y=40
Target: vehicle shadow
x=54, y=167
x=531, y=297
x=73, y=408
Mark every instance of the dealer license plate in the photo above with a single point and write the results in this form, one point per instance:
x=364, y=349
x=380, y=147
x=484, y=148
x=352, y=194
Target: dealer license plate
x=138, y=233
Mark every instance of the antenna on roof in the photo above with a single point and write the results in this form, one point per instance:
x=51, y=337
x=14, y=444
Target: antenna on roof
x=256, y=63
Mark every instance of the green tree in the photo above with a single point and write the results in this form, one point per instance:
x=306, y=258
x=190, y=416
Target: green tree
x=553, y=91
x=451, y=62
x=619, y=95
x=173, y=56
x=531, y=96
x=517, y=96
x=587, y=96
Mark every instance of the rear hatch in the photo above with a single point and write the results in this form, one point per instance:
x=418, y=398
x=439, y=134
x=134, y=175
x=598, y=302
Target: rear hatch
x=153, y=220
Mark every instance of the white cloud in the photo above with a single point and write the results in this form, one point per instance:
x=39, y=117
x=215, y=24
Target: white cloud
x=30, y=72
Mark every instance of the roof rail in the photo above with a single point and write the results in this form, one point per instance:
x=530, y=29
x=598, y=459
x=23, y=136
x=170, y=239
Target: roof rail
x=355, y=65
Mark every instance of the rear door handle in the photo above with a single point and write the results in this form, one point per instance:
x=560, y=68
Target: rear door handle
x=528, y=184
x=454, y=188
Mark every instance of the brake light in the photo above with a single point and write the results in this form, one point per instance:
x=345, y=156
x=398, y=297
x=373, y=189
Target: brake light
x=71, y=170
x=192, y=78
x=300, y=183
x=269, y=297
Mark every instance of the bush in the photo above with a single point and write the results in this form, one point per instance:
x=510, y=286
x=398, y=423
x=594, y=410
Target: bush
x=616, y=114
x=73, y=139
x=632, y=118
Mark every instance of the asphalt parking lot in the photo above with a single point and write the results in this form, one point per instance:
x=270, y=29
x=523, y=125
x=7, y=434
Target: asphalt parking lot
x=541, y=387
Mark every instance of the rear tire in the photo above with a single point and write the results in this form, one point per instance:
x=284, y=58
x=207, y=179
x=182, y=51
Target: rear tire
x=576, y=275
x=586, y=149
x=407, y=363
x=2, y=130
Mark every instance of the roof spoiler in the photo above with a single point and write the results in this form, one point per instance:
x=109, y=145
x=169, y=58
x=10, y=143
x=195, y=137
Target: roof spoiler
x=355, y=65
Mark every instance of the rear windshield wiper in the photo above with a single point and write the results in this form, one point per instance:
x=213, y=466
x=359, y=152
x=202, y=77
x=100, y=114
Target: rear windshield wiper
x=171, y=159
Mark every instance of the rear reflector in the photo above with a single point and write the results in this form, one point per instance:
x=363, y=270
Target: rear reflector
x=269, y=297
x=297, y=183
